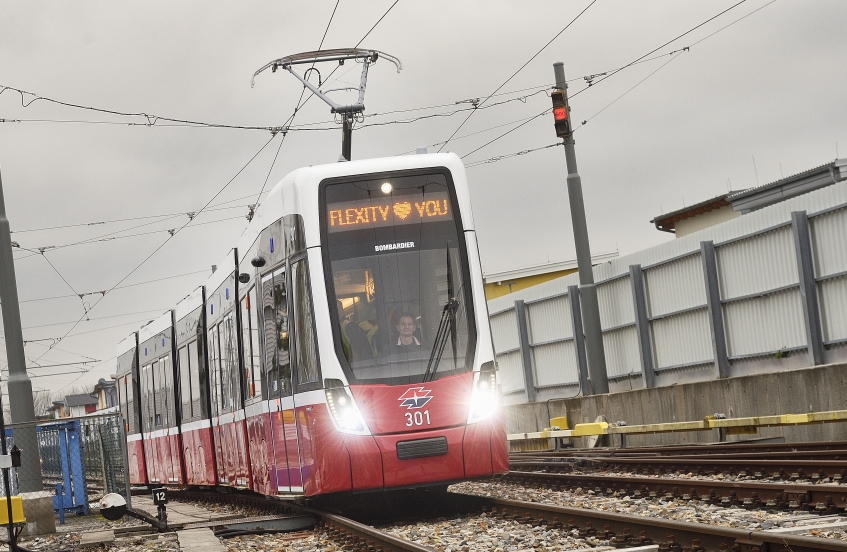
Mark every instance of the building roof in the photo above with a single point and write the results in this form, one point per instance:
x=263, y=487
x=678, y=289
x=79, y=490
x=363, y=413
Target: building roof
x=790, y=186
x=103, y=384
x=546, y=268
x=667, y=222
x=80, y=400
x=752, y=199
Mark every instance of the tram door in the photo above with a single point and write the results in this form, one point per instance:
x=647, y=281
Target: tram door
x=306, y=372
x=279, y=385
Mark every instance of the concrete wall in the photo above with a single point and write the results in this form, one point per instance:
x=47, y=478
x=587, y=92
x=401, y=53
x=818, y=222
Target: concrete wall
x=814, y=389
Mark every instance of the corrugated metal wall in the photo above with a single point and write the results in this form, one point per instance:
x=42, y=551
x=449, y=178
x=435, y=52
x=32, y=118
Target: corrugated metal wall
x=758, y=292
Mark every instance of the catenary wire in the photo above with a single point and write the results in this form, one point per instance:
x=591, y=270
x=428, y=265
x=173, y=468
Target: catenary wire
x=108, y=238
x=524, y=152
x=651, y=52
x=263, y=147
x=119, y=287
x=217, y=207
x=518, y=71
x=630, y=64
x=148, y=257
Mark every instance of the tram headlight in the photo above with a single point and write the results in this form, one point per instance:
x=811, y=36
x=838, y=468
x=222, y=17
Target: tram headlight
x=484, y=394
x=343, y=410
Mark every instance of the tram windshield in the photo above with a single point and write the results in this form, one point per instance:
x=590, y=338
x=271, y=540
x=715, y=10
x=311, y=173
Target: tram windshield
x=398, y=279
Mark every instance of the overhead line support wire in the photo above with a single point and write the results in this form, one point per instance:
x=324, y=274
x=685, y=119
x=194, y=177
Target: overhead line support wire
x=131, y=272
x=263, y=147
x=518, y=71
x=637, y=60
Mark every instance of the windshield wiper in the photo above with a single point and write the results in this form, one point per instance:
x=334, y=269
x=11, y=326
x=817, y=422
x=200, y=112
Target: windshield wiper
x=448, y=323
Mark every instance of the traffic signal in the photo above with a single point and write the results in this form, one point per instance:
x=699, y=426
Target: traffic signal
x=560, y=113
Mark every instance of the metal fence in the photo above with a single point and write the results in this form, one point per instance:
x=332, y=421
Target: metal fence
x=67, y=465
x=764, y=292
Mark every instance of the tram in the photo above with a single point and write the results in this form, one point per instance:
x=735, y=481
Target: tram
x=342, y=345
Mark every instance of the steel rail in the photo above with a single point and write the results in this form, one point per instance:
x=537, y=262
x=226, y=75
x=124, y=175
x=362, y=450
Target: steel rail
x=695, y=449
x=826, y=499
x=631, y=530
x=340, y=528
x=784, y=468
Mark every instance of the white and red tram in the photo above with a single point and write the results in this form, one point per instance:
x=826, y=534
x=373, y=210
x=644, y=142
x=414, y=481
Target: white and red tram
x=344, y=345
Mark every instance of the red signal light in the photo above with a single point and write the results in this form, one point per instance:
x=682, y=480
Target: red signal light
x=560, y=113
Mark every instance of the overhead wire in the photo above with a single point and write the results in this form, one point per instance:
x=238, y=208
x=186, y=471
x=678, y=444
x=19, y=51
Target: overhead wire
x=630, y=64
x=119, y=287
x=170, y=237
x=293, y=115
x=29, y=98
x=327, y=80
x=263, y=147
x=524, y=152
x=689, y=31
x=217, y=207
x=519, y=70
x=110, y=237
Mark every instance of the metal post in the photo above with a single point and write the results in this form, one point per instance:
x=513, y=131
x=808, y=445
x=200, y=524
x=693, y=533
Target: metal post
x=7, y=487
x=579, y=341
x=713, y=301
x=347, y=136
x=526, y=354
x=808, y=287
x=122, y=438
x=642, y=325
x=588, y=292
x=19, y=384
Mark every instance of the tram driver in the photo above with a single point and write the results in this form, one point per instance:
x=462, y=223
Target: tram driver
x=407, y=342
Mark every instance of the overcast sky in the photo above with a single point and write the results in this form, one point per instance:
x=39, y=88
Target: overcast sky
x=770, y=87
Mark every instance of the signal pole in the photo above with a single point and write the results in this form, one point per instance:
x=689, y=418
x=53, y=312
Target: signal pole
x=599, y=380
x=19, y=384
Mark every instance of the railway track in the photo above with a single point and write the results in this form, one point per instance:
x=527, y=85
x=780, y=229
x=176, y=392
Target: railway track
x=816, y=461
x=712, y=448
x=823, y=499
x=619, y=530
x=788, y=468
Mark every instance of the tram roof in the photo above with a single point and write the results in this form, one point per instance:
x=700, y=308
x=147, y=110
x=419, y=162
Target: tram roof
x=297, y=191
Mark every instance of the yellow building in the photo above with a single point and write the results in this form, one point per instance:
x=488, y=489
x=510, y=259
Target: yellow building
x=498, y=284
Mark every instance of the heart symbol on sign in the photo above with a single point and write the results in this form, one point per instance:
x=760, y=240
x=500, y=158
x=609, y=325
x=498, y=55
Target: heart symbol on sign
x=402, y=210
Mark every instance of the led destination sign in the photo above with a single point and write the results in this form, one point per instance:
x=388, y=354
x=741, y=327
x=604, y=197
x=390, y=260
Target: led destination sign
x=372, y=213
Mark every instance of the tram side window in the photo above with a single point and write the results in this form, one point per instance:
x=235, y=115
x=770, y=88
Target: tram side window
x=162, y=402
x=122, y=402
x=214, y=370
x=255, y=347
x=233, y=371
x=169, y=412
x=194, y=362
x=304, y=329
x=185, y=383
x=275, y=315
x=131, y=383
x=250, y=343
x=148, y=398
x=223, y=365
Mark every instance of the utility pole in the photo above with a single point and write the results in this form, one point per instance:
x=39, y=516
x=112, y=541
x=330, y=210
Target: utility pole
x=599, y=380
x=19, y=384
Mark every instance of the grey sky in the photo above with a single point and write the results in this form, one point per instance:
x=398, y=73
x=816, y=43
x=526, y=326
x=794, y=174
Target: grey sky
x=771, y=86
